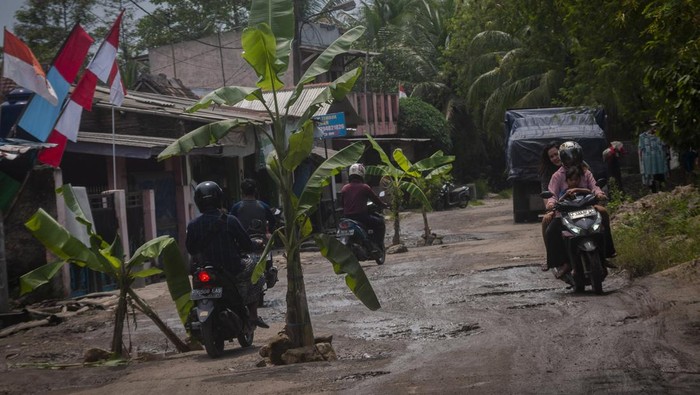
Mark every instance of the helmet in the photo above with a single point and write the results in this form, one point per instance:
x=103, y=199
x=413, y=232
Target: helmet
x=357, y=169
x=207, y=195
x=571, y=153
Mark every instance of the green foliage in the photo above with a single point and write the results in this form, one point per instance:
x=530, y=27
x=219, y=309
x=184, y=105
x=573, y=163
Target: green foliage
x=505, y=193
x=174, y=21
x=44, y=25
x=482, y=188
x=266, y=46
x=616, y=197
x=662, y=235
x=419, y=119
x=110, y=260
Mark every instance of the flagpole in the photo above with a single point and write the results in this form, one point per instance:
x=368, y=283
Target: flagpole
x=114, y=154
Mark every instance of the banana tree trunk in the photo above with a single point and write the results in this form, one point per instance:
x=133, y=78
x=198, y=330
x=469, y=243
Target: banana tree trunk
x=397, y=228
x=148, y=311
x=426, y=228
x=298, y=319
x=119, y=317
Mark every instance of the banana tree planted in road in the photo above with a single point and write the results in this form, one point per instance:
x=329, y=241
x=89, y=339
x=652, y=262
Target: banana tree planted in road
x=266, y=44
x=109, y=259
x=402, y=178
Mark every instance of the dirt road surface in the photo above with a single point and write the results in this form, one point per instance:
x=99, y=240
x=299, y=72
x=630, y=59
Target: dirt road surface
x=474, y=315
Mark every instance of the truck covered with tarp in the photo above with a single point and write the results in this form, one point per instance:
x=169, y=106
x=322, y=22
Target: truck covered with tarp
x=528, y=131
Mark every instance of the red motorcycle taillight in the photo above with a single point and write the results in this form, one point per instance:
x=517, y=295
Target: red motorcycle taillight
x=203, y=276
x=344, y=225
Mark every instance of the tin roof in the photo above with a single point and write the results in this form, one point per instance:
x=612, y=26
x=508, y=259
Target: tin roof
x=174, y=107
x=308, y=95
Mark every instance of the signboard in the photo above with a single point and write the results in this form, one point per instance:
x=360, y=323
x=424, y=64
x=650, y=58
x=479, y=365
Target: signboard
x=330, y=125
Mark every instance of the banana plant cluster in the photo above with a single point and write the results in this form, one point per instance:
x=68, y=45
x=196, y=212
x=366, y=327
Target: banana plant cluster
x=403, y=177
x=109, y=259
x=266, y=44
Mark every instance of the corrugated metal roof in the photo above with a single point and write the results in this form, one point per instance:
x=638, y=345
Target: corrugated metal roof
x=169, y=106
x=12, y=148
x=129, y=146
x=309, y=93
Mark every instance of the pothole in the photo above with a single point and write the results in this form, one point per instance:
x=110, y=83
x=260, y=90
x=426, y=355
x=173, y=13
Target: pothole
x=362, y=376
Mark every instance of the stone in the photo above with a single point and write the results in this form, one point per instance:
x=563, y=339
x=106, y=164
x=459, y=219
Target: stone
x=96, y=354
x=323, y=339
x=397, y=249
x=278, y=347
x=326, y=350
x=301, y=354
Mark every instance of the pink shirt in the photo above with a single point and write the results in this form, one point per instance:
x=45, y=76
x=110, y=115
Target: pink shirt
x=557, y=184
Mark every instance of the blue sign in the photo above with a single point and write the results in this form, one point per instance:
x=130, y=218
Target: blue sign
x=330, y=125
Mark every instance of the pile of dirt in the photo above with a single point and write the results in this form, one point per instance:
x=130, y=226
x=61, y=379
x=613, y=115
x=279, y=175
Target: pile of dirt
x=655, y=204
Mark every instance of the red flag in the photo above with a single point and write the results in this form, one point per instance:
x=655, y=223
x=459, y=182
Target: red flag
x=22, y=67
x=103, y=67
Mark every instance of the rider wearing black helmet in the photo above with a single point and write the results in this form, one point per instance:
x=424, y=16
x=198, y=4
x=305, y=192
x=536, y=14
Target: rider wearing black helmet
x=571, y=154
x=217, y=238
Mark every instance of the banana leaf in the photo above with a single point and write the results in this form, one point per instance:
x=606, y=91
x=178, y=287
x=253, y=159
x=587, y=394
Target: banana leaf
x=177, y=277
x=200, y=137
x=404, y=163
x=300, y=145
x=416, y=193
x=260, y=51
x=228, y=95
x=311, y=196
x=344, y=262
x=39, y=276
x=279, y=15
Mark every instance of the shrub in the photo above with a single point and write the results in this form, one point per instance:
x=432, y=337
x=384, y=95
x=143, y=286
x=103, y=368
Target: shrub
x=658, y=231
x=419, y=119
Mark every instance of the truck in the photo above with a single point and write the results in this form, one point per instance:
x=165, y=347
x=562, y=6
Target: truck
x=528, y=131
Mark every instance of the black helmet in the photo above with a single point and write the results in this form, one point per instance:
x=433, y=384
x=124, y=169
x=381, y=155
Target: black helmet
x=207, y=195
x=571, y=153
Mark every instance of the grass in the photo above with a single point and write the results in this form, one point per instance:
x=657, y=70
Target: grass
x=658, y=232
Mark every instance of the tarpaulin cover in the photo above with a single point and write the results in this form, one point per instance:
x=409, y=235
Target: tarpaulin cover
x=528, y=131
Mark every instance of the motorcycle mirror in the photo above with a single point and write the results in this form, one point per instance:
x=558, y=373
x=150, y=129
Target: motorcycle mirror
x=546, y=194
x=382, y=194
x=277, y=211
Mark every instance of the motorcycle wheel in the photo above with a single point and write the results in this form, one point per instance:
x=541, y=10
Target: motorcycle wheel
x=212, y=338
x=246, y=339
x=463, y=201
x=382, y=257
x=579, y=277
x=596, y=271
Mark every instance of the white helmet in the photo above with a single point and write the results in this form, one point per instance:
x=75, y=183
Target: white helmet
x=357, y=169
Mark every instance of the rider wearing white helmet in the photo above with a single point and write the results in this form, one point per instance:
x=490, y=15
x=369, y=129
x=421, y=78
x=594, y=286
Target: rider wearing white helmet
x=353, y=198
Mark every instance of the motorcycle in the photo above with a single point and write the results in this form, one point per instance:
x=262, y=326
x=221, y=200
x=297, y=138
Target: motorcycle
x=354, y=235
x=450, y=196
x=583, y=236
x=257, y=234
x=220, y=312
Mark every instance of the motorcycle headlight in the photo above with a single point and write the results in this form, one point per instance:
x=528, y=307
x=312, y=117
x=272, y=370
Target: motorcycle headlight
x=598, y=222
x=570, y=226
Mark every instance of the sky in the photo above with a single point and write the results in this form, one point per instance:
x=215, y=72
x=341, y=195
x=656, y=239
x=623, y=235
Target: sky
x=7, y=14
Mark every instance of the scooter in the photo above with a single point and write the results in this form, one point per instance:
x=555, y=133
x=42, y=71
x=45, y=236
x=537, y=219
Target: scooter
x=450, y=196
x=354, y=235
x=220, y=311
x=271, y=272
x=583, y=236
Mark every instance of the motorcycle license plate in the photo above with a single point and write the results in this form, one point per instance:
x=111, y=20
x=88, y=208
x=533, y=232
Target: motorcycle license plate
x=206, y=293
x=345, y=232
x=582, y=213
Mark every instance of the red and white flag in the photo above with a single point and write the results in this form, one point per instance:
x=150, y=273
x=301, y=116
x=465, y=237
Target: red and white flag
x=402, y=91
x=22, y=67
x=103, y=67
